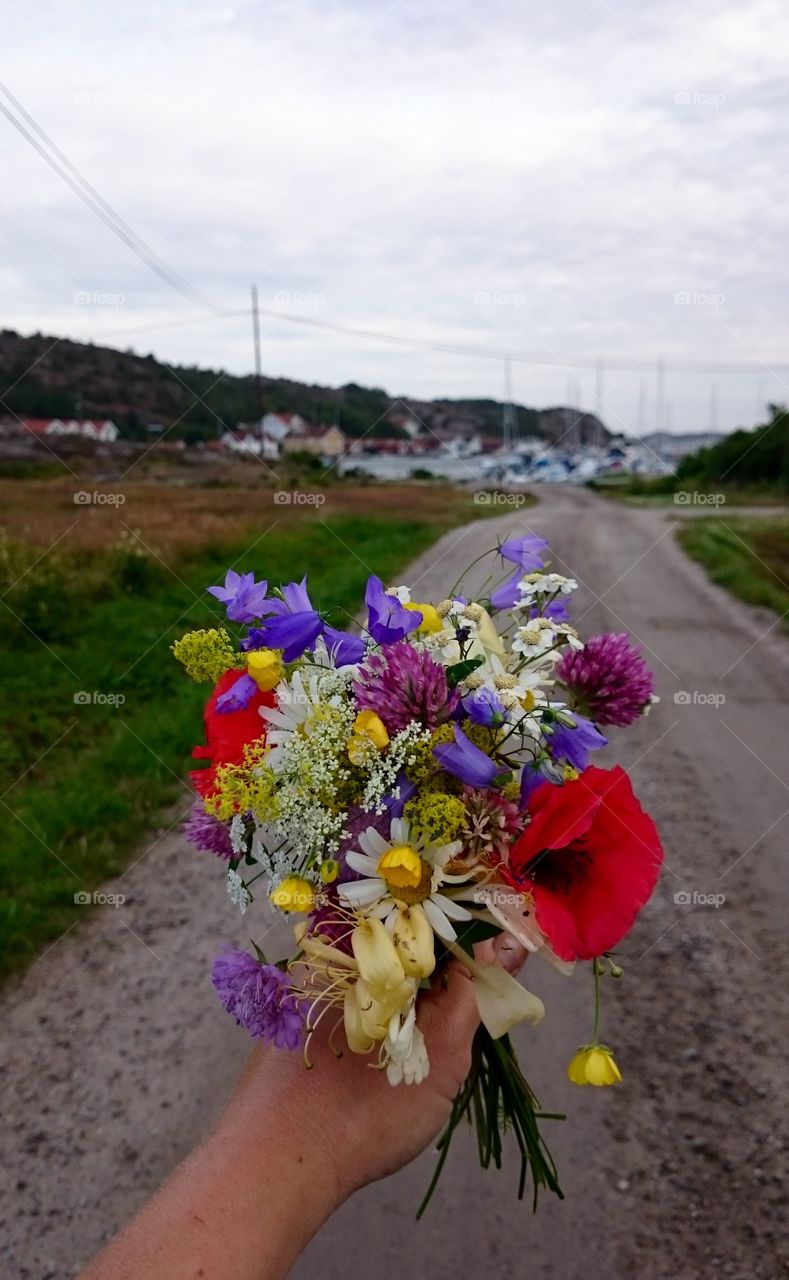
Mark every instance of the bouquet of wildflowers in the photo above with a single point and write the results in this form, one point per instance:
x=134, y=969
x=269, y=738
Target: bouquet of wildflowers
x=407, y=792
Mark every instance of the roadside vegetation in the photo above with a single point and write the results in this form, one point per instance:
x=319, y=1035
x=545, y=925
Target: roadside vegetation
x=750, y=557
x=98, y=720
x=746, y=468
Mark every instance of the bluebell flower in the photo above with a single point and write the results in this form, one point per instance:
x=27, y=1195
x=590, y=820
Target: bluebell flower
x=507, y=594
x=243, y=598
x=387, y=619
x=573, y=745
x=525, y=552
x=483, y=707
x=295, y=599
x=238, y=696
x=293, y=633
x=346, y=649
x=465, y=761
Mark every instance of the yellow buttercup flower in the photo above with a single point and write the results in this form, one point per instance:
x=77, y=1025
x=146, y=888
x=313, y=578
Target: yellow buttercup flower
x=401, y=866
x=330, y=869
x=431, y=618
x=293, y=894
x=369, y=731
x=372, y=726
x=594, y=1064
x=265, y=668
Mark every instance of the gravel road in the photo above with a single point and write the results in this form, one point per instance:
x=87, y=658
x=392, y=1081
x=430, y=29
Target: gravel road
x=116, y=1056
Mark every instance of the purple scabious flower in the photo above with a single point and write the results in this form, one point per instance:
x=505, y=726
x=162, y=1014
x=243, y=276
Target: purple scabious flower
x=387, y=619
x=483, y=707
x=572, y=745
x=466, y=762
x=260, y=998
x=401, y=684
x=243, y=598
x=608, y=679
x=206, y=833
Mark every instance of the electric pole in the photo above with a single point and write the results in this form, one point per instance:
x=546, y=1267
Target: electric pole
x=256, y=341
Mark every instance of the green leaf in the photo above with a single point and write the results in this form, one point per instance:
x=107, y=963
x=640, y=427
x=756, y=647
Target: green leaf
x=459, y=670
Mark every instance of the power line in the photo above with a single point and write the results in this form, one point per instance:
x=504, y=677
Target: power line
x=69, y=174
x=534, y=358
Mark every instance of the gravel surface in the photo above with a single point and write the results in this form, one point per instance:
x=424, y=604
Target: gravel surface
x=116, y=1056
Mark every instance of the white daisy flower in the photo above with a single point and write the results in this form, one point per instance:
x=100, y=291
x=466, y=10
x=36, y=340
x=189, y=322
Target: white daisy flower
x=297, y=701
x=404, y=871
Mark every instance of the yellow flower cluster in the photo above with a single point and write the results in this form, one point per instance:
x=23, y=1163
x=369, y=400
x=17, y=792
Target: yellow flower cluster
x=206, y=655
x=249, y=787
x=435, y=816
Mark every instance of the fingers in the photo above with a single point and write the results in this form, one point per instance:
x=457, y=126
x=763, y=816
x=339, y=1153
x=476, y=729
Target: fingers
x=509, y=953
x=449, y=1016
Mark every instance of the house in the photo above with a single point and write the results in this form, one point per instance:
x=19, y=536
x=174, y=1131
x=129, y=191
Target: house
x=106, y=432
x=247, y=442
x=324, y=442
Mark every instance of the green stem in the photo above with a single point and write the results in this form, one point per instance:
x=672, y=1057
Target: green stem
x=596, y=1028
x=490, y=551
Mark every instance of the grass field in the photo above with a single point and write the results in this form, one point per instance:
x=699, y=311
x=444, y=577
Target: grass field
x=637, y=491
x=750, y=557
x=92, y=597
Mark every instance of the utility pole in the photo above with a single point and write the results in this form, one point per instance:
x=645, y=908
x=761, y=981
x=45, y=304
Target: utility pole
x=660, y=396
x=256, y=340
x=642, y=406
x=508, y=424
x=714, y=407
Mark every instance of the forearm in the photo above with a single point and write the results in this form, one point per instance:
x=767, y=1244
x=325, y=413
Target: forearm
x=241, y=1207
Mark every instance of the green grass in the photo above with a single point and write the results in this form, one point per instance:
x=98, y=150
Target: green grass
x=749, y=557
x=81, y=785
x=659, y=491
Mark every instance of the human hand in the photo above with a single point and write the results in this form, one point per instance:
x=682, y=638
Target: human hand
x=364, y=1128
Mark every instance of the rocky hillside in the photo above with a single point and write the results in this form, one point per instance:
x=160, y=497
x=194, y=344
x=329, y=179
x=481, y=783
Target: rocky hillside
x=51, y=377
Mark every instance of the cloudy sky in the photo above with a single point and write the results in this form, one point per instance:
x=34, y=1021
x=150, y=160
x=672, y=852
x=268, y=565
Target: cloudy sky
x=575, y=183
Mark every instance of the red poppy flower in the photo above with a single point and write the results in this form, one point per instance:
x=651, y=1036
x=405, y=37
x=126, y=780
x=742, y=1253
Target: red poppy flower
x=590, y=858
x=227, y=732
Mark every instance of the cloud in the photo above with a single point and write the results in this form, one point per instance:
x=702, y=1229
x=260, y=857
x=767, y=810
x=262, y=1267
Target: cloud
x=388, y=166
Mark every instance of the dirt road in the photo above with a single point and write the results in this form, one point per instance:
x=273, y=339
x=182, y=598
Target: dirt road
x=116, y=1056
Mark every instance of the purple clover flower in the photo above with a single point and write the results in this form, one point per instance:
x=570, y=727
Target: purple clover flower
x=465, y=761
x=401, y=684
x=206, y=833
x=243, y=598
x=387, y=619
x=608, y=678
x=260, y=998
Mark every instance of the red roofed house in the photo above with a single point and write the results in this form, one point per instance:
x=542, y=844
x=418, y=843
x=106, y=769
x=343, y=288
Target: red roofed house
x=105, y=431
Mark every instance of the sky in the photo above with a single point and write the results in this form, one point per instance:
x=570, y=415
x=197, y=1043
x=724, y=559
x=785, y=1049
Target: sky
x=588, y=187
